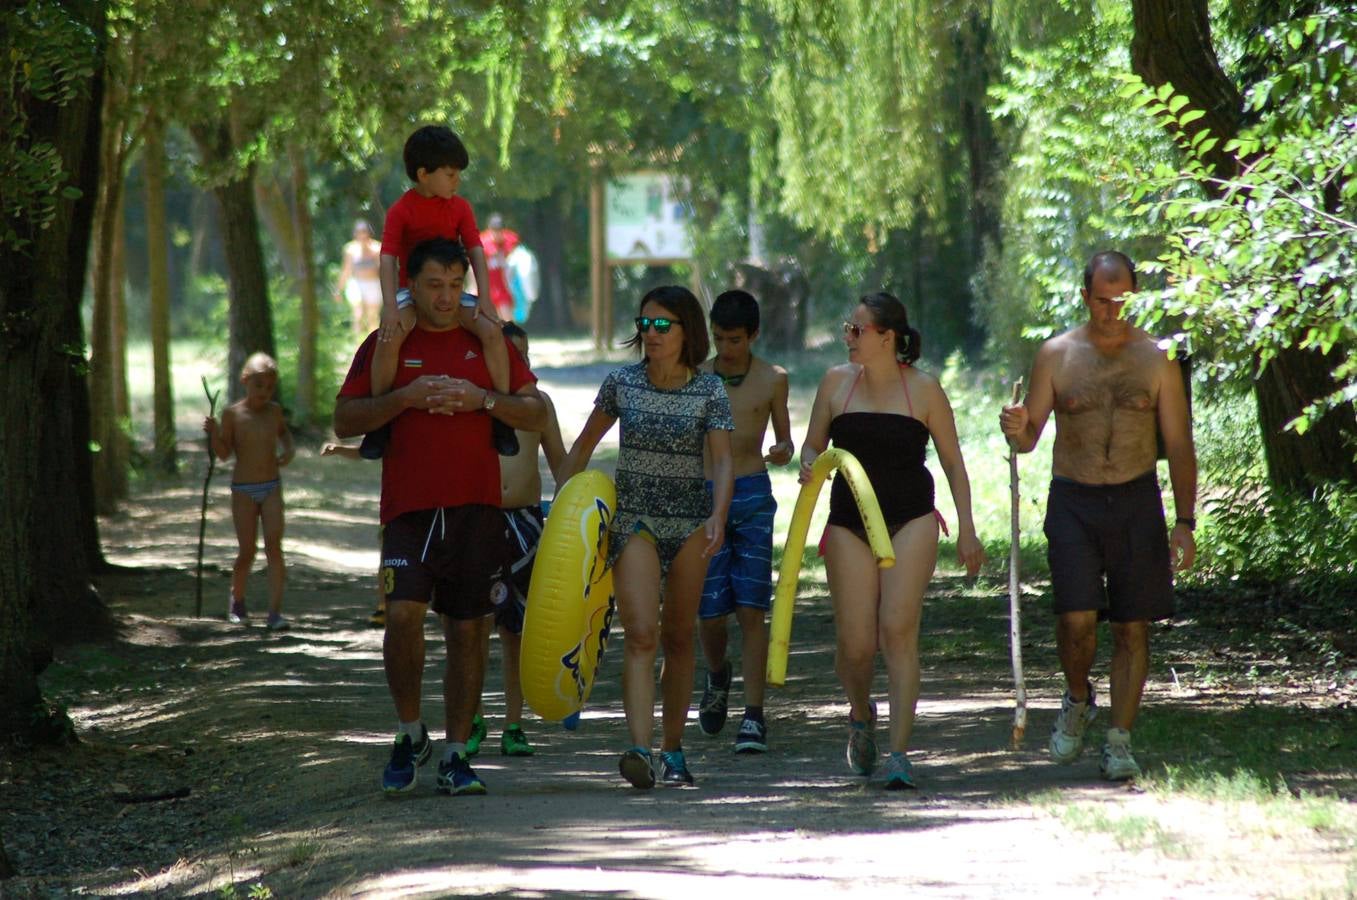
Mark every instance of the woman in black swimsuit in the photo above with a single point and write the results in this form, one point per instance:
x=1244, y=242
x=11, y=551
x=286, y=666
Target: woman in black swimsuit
x=882, y=410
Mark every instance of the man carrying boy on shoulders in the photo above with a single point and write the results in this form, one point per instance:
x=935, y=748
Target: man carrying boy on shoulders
x=445, y=540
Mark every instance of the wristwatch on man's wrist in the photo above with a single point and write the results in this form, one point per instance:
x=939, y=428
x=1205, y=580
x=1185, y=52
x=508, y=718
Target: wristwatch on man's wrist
x=488, y=403
x=1189, y=521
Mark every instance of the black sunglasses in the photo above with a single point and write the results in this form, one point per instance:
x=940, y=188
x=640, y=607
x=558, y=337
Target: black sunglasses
x=856, y=330
x=662, y=326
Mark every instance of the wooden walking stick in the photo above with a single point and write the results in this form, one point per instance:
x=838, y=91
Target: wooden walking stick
x=1015, y=590
x=202, y=518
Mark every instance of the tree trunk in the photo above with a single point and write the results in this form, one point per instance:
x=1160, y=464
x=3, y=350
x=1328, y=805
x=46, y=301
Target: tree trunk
x=122, y=401
x=1326, y=452
x=1172, y=43
x=158, y=270
x=280, y=224
x=305, y=404
x=110, y=471
x=545, y=237
x=45, y=523
x=251, y=323
x=976, y=70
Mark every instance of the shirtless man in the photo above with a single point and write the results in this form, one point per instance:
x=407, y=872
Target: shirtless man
x=740, y=576
x=1112, y=390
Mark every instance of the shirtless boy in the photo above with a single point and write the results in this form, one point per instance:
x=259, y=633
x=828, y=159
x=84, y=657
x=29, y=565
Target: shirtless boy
x=1112, y=391
x=740, y=575
x=253, y=429
x=521, y=499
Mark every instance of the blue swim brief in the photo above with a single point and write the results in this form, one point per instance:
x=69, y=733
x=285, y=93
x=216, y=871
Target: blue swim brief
x=258, y=491
x=741, y=572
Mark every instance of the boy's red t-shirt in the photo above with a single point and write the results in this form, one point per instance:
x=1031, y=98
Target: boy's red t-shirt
x=415, y=218
x=437, y=460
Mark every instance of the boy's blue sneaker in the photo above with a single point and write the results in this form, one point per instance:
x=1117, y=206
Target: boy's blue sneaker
x=636, y=767
x=457, y=777
x=406, y=757
x=711, y=712
x=674, y=769
x=752, y=737
x=374, y=443
x=478, y=732
x=898, y=773
x=571, y=722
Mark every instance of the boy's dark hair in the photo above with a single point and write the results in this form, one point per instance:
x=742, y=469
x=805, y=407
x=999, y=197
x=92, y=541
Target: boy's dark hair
x=888, y=312
x=514, y=330
x=1108, y=259
x=440, y=250
x=433, y=147
x=736, y=309
x=680, y=303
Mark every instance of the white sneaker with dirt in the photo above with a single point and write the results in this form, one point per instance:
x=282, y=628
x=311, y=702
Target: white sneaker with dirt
x=1118, y=764
x=1067, y=737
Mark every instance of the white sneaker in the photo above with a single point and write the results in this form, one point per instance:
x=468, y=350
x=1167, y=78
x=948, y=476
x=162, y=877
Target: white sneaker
x=1118, y=764
x=1067, y=737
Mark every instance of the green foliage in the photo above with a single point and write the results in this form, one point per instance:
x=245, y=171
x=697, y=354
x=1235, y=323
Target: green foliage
x=1267, y=260
x=48, y=58
x=1080, y=153
x=1250, y=534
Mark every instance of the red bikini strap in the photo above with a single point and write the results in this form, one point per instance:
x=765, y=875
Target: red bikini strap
x=904, y=366
x=849, y=398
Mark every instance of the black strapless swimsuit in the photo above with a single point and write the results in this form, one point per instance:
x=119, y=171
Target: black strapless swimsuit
x=892, y=449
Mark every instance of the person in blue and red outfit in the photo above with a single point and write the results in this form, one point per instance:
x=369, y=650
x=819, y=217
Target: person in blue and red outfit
x=445, y=541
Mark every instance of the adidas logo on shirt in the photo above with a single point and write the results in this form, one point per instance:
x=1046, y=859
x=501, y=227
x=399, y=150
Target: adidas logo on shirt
x=470, y=354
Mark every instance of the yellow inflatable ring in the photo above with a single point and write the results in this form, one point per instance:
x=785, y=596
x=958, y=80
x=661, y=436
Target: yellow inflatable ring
x=780, y=631
x=570, y=599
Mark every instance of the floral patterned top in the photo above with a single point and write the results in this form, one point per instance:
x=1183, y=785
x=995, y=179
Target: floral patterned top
x=661, y=490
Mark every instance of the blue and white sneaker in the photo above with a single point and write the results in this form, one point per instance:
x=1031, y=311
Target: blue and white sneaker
x=456, y=777
x=752, y=737
x=863, y=754
x=674, y=769
x=407, y=756
x=898, y=773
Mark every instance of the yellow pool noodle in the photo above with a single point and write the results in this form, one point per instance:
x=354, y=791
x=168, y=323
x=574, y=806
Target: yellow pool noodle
x=784, y=598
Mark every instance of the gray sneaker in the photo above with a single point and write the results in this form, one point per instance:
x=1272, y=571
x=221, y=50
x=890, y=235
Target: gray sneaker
x=1067, y=736
x=863, y=754
x=1118, y=764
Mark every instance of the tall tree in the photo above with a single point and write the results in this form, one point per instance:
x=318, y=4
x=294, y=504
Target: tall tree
x=109, y=356
x=50, y=100
x=158, y=268
x=1173, y=45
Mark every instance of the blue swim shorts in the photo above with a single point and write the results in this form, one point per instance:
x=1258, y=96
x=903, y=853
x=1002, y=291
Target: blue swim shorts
x=741, y=572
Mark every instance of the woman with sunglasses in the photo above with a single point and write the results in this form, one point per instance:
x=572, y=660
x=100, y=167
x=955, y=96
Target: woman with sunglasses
x=666, y=525
x=882, y=410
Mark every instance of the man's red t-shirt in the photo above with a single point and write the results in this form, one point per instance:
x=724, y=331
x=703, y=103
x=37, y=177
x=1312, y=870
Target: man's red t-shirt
x=415, y=218
x=436, y=460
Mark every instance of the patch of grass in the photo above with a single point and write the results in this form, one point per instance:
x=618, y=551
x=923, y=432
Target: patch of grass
x=1130, y=831
x=301, y=853
x=1252, y=750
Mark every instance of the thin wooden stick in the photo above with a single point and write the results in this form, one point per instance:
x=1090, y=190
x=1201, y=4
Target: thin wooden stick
x=202, y=518
x=1015, y=590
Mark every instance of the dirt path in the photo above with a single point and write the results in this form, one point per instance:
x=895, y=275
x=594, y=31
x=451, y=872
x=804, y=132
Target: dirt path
x=280, y=740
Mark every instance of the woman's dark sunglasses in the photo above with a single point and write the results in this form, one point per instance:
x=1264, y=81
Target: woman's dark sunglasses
x=662, y=326
x=856, y=330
